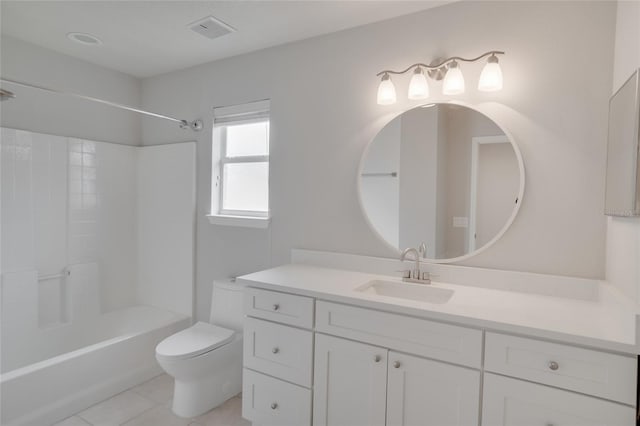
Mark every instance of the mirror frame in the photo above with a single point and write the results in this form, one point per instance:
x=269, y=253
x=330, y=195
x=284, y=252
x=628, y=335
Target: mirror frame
x=500, y=233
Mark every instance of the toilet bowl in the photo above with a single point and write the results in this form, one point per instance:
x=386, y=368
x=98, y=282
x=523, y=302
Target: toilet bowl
x=205, y=359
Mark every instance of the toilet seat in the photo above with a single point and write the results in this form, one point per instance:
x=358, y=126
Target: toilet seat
x=196, y=340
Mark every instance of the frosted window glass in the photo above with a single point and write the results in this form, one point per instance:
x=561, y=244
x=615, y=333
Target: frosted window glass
x=248, y=139
x=246, y=186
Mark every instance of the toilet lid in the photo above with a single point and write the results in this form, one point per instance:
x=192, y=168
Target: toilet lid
x=199, y=338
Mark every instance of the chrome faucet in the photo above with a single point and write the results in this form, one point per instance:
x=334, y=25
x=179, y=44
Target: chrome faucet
x=415, y=275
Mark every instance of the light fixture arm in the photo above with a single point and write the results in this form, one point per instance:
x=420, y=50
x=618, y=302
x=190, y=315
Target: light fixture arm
x=441, y=64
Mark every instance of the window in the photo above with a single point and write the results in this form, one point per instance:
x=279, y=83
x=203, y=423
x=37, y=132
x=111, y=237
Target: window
x=240, y=172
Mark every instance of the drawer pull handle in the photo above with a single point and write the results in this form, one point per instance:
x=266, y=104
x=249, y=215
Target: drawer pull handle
x=377, y=358
x=553, y=365
x=274, y=405
x=396, y=364
x=276, y=306
x=275, y=350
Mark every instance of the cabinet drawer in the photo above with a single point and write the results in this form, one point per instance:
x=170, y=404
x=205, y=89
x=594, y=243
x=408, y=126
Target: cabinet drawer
x=407, y=334
x=278, y=350
x=280, y=307
x=583, y=370
x=509, y=402
x=271, y=402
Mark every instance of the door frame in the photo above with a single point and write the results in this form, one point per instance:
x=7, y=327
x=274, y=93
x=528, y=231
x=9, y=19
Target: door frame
x=476, y=141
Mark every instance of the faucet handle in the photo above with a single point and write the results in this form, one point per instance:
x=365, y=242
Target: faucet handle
x=422, y=249
x=426, y=275
x=406, y=273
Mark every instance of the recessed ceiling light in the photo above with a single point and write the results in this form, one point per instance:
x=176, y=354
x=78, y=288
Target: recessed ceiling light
x=84, y=38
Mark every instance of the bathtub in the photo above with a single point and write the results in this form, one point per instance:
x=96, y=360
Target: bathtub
x=109, y=354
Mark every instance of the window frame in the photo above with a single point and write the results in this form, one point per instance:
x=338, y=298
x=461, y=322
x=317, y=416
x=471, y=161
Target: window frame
x=224, y=117
x=224, y=160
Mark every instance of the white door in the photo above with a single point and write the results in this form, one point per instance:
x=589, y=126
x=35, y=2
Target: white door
x=495, y=180
x=508, y=402
x=349, y=383
x=424, y=392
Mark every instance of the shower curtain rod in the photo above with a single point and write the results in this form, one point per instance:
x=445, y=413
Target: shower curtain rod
x=195, y=125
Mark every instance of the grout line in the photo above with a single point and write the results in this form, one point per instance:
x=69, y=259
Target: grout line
x=82, y=418
x=138, y=415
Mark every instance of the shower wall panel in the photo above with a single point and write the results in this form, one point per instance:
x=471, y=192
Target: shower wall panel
x=17, y=201
x=166, y=215
x=68, y=231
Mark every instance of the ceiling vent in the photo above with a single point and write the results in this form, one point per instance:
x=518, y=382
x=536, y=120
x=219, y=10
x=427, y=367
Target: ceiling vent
x=211, y=27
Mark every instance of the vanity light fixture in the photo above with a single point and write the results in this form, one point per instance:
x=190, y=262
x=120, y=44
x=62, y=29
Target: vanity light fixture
x=418, y=86
x=491, y=76
x=453, y=83
x=449, y=69
x=386, y=91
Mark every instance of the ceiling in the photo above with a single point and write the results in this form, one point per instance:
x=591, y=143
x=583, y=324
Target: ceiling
x=146, y=38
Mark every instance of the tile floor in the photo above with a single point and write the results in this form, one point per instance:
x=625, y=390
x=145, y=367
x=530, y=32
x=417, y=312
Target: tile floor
x=149, y=404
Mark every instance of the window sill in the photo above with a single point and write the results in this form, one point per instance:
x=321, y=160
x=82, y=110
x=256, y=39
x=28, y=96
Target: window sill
x=241, y=221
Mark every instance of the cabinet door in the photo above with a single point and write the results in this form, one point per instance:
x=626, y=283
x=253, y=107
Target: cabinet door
x=424, y=392
x=508, y=402
x=349, y=383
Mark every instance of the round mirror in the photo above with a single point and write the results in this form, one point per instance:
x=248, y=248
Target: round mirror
x=443, y=175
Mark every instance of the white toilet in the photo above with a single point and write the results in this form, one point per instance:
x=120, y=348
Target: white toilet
x=206, y=359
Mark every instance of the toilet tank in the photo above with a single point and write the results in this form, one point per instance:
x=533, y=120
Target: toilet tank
x=226, y=304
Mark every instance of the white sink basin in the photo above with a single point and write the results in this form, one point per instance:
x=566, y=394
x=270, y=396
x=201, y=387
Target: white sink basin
x=409, y=291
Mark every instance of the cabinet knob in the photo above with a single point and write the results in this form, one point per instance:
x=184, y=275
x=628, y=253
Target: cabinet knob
x=396, y=364
x=274, y=405
x=276, y=306
x=553, y=365
x=275, y=350
x=377, y=358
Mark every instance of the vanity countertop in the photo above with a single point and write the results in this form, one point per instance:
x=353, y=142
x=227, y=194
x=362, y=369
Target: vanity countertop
x=607, y=323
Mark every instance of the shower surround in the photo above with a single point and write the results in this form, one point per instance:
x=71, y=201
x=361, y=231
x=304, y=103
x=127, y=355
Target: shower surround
x=87, y=228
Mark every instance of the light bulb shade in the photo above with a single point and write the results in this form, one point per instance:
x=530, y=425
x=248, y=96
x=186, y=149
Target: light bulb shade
x=491, y=76
x=418, y=86
x=453, y=80
x=386, y=91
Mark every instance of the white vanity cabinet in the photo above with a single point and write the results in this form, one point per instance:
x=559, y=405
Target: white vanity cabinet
x=360, y=384
x=514, y=401
x=350, y=383
x=431, y=393
x=363, y=385
x=277, y=358
x=313, y=362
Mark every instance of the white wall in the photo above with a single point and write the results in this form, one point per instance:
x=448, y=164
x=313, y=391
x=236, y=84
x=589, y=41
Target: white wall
x=623, y=234
x=53, y=114
x=557, y=82
x=166, y=208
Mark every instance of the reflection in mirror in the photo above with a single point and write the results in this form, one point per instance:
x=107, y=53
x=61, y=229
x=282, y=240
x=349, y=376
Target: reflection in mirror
x=444, y=175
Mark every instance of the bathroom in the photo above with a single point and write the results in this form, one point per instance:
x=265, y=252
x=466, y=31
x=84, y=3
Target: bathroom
x=160, y=244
